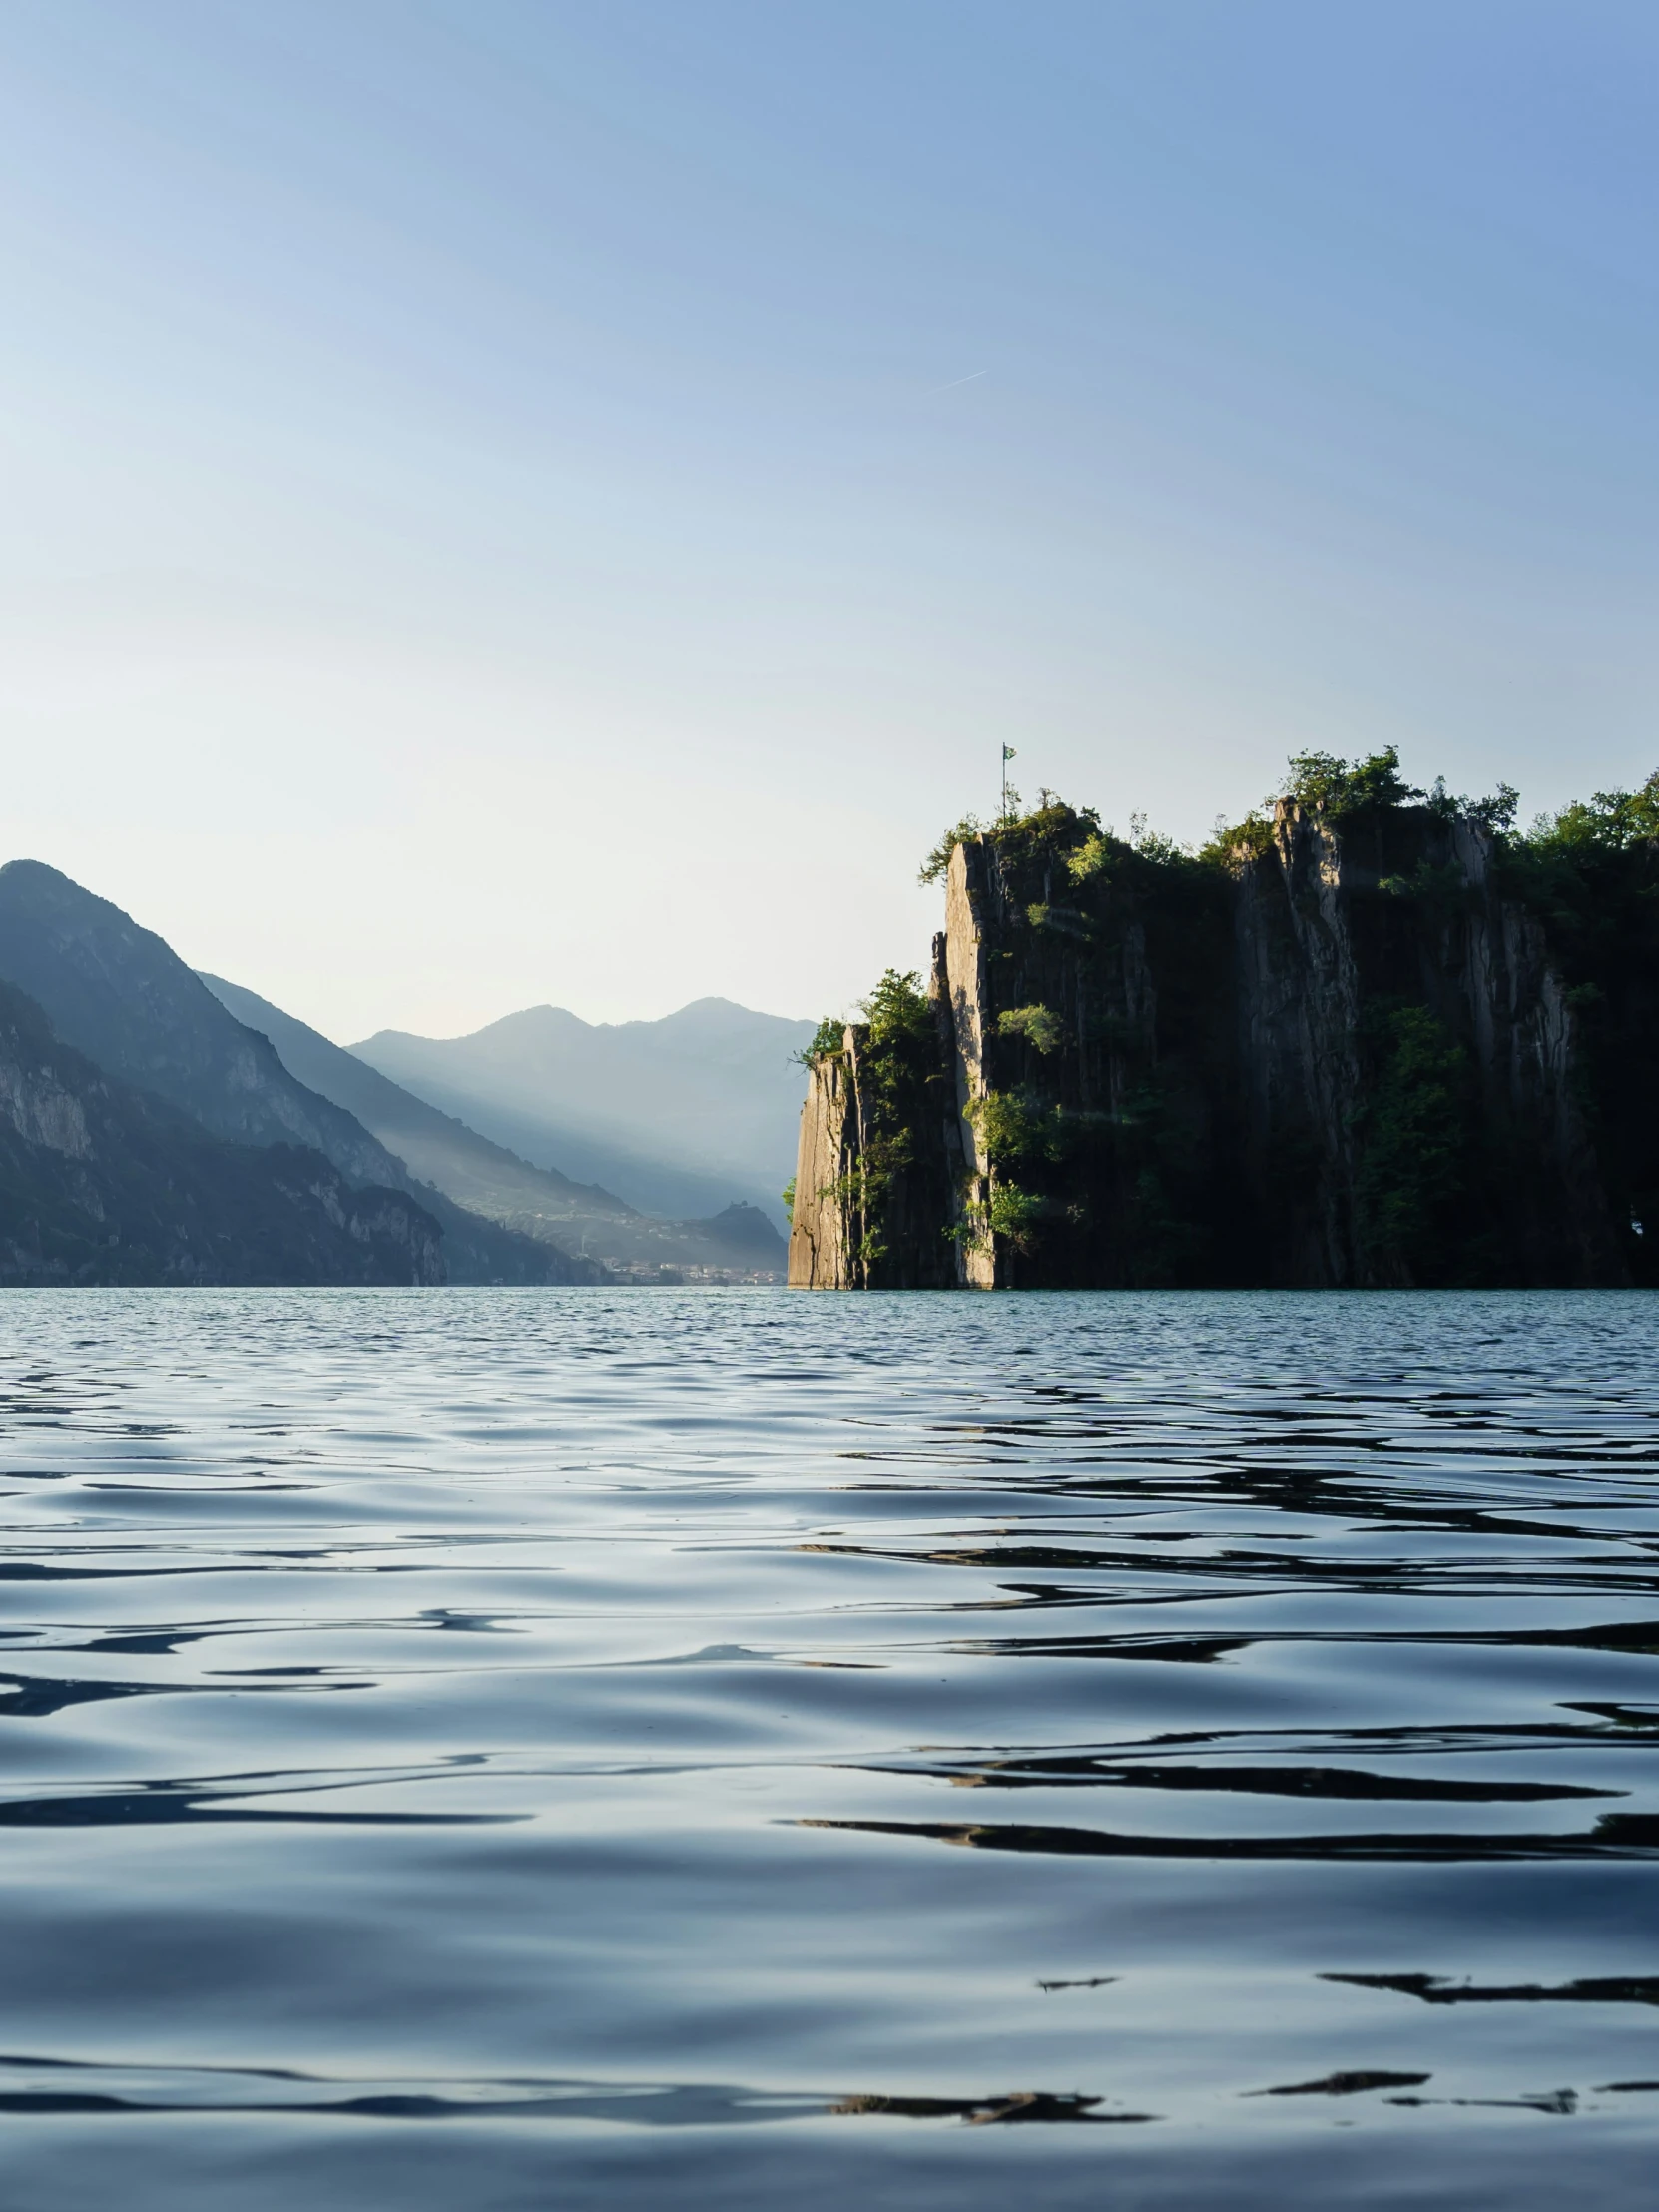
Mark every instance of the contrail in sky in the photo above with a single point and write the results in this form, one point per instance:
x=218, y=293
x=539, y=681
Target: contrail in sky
x=955, y=381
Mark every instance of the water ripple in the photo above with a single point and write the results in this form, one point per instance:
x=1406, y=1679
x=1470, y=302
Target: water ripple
x=497, y=1708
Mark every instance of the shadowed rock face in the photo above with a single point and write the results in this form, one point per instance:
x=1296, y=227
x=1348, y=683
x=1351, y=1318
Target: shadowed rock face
x=103, y=1183
x=1337, y=971
x=1349, y=1060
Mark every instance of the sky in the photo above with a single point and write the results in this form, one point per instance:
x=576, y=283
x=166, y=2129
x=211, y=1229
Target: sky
x=512, y=503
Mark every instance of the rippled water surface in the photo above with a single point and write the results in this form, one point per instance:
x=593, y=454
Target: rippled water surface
x=493, y=1747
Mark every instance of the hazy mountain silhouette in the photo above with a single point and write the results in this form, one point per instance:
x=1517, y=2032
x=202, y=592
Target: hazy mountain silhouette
x=433, y=1145
x=492, y=1179
x=678, y=1114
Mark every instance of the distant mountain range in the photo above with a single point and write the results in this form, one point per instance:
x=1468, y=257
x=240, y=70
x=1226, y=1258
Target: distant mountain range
x=677, y=1115
x=491, y=1180
x=158, y=1126
x=434, y=1146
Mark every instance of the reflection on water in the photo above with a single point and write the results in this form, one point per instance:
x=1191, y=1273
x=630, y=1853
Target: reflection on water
x=534, y=1722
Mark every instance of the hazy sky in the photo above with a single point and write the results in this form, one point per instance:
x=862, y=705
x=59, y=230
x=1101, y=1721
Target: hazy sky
x=518, y=502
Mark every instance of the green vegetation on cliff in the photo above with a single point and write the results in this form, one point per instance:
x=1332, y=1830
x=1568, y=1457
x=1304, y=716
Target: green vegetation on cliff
x=1373, y=1034
x=891, y=1063
x=1591, y=875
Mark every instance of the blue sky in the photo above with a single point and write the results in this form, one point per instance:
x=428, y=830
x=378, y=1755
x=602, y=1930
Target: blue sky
x=507, y=503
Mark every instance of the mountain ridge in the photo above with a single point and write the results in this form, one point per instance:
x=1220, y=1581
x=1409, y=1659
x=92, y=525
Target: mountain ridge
x=120, y=995
x=686, y=1111
x=470, y=1169
x=382, y=1106
x=104, y=1183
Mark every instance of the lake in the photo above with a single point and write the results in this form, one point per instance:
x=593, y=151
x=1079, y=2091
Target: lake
x=720, y=1748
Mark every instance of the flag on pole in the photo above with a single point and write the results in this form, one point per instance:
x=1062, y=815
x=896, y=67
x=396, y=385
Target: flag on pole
x=1007, y=752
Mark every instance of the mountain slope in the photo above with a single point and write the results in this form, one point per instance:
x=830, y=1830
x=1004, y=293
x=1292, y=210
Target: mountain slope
x=435, y=1146
x=539, y=1202
x=101, y=1183
x=710, y=1092
x=653, y=1186
x=120, y=994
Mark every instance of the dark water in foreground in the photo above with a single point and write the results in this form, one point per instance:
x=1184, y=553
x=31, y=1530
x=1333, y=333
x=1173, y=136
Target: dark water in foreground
x=529, y=1749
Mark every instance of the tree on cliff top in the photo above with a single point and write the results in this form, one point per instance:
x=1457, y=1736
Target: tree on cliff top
x=1608, y=821
x=1336, y=787
x=937, y=863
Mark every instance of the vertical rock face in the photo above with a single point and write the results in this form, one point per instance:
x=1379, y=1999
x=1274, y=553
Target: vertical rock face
x=1003, y=955
x=1375, y=961
x=1298, y=991
x=880, y=1160
x=962, y=989
x=1349, y=1061
x=823, y=1233
x=1525, y=1041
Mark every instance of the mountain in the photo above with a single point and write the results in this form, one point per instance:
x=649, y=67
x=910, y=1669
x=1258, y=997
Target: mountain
x=679, y=1114
x=120, y=995
x=435, y=1146
x=491, y=1180
x=102, y=1182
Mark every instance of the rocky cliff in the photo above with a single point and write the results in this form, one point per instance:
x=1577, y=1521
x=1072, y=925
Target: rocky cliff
x=880, y=1152
x=1344, y=1047
x=1416, y=1099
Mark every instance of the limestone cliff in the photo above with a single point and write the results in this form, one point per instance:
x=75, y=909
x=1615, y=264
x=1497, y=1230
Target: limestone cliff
x=881, y=1155
x=1344, y=1053
x=824, y=1232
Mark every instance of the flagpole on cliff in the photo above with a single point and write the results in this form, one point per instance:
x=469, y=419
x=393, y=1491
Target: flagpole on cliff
x=1007, y=756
